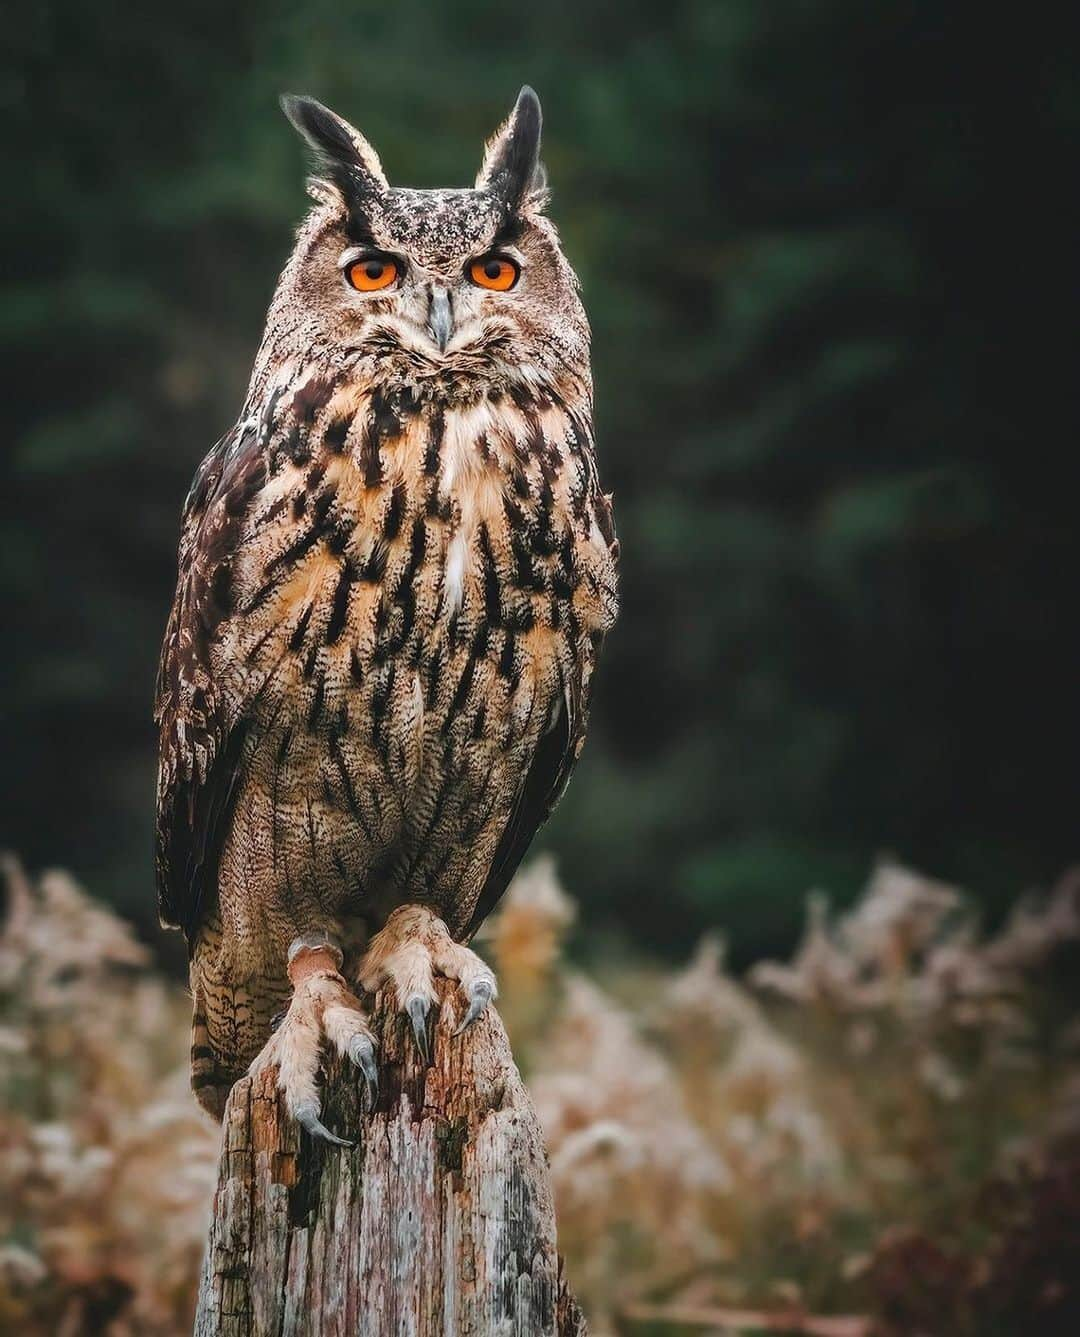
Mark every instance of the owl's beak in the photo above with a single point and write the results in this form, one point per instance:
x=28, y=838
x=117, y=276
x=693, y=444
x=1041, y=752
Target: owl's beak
x=440, y=318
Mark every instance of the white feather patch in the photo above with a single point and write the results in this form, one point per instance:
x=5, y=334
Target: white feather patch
x=455, y=572
x=459, y=442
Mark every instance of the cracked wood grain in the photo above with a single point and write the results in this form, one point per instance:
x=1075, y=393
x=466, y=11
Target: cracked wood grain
x=439, y=1222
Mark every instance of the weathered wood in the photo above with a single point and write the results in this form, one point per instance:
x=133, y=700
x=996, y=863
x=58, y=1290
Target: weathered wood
x=439, y=1222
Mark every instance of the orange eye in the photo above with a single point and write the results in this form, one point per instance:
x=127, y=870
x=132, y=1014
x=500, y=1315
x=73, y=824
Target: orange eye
x=372, y=272
x=495, y=272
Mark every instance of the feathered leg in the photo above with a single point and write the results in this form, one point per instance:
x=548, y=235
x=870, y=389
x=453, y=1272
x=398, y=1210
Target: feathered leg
x=322, y=1009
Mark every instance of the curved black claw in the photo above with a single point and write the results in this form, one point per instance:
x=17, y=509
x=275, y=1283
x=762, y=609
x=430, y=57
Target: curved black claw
x=362, y=1053
x=417, y=1009
x=481, y=992
x=307, y=1116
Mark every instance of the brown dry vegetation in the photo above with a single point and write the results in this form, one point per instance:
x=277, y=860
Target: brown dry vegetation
x=880, y=1136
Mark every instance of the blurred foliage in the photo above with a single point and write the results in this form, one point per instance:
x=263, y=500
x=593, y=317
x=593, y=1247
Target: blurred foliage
x=821, y=250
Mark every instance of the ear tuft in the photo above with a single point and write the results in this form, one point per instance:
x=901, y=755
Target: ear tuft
x=340, y=149
x=512, y=168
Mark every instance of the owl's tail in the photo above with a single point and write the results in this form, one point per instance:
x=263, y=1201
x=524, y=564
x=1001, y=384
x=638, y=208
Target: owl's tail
x=211, y=1077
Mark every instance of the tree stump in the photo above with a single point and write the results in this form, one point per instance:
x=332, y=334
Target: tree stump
x=438, y=1222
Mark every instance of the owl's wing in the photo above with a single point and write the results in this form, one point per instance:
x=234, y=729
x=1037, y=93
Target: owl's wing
x=548, y=776
x=558, y=750
x=201, y=733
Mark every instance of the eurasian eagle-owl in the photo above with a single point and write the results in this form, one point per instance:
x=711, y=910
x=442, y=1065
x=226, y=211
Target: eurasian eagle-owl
x=395, y=572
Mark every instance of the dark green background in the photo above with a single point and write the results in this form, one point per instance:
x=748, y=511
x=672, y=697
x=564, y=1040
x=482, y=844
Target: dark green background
x=833, y=283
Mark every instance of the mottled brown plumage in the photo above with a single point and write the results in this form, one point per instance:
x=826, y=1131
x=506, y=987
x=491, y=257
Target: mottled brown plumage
x=394, y=576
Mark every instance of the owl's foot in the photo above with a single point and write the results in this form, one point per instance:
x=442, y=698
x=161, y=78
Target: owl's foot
x=408, y=951
x=322, y=1009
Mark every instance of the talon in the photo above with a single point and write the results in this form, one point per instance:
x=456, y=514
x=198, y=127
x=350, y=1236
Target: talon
x=307, y=1116
x=480, y=994
x=362, y=1053
x=417, y=1009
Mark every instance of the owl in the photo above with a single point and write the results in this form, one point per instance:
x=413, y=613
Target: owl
x=395, y=574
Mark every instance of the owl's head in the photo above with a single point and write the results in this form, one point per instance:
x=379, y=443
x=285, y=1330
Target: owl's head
x=459, y=291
